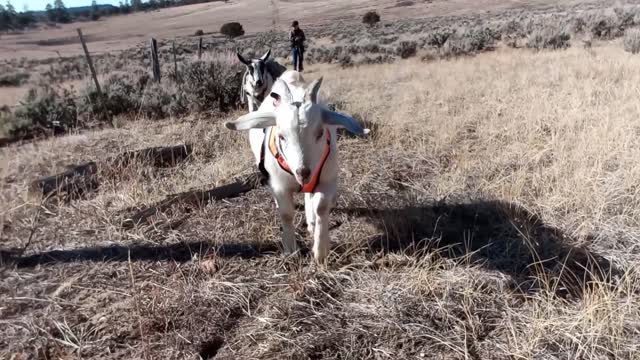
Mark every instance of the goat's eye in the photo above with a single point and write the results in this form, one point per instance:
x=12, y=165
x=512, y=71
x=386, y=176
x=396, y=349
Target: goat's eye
x=281, y=137
x=319, y=134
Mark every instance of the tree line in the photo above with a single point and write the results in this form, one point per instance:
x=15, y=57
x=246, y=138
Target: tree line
x=11, y=19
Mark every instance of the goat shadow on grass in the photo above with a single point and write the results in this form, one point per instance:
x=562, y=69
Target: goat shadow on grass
x=499, y=236
x=178, y=252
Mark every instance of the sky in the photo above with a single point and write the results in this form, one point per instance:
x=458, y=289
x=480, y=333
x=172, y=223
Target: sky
x=40, y=4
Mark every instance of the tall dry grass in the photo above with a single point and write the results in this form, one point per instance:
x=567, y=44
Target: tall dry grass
x=556, y=132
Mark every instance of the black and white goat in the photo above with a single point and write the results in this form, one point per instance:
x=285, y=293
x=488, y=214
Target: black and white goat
x=258, y=79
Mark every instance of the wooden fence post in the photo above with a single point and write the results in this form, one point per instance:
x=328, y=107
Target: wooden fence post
x=91, y=68
x=200, y=48
x=155, y=64
x=175, y=61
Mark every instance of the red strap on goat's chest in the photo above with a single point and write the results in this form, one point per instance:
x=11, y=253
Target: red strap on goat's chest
x=309, y=187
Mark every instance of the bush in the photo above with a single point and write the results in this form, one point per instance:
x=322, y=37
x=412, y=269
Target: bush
x=14, y=79
x=232, y=29
x=469, y=42
x=199, y=32
x=407, y=49
x=548, y=38
x=632, y=41
x=212, y=85
x=162, y=100
x=121, y=95
x=345, y=61
x=605, y=26
x=438, y=38
x=371, y=18
x=43, y=110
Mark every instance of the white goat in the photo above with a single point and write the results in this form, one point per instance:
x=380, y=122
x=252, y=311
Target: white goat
x=258, y=79
x=293, y=139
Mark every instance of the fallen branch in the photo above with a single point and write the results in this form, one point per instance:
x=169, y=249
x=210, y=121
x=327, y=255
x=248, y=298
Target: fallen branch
x=74, y=181
x=194, y=199
x=162, y=156
x=82, y=178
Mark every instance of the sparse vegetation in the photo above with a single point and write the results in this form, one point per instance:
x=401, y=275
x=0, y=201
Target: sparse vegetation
x=14, y=79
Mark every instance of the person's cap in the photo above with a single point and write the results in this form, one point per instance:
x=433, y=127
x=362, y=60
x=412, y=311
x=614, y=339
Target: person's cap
x=295, y=23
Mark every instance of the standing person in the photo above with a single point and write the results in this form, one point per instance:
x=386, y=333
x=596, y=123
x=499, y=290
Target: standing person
x=296, y=36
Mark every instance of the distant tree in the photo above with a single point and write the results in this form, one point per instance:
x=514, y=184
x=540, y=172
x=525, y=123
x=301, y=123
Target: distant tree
x=61, y=13
x=95, y=11
x=5, y=19
x=232, y=29
x=371, y=18
x=51, y=14
x=136, y=5
x=125, y=7
x=10, y=9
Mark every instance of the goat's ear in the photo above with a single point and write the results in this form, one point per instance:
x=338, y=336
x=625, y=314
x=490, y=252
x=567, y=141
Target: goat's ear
x=266, y=56
x=276, y=98
x=242, y=59
x=333, y=118
x=253, y=120
x=311, y=94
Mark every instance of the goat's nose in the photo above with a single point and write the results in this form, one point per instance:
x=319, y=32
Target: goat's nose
x=303, y=173
x=259, y=83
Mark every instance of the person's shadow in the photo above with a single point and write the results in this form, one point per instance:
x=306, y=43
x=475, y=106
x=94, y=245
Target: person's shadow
x=496, y=235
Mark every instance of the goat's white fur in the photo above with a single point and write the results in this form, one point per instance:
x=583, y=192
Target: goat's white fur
x=256, y=70
x=303, y=148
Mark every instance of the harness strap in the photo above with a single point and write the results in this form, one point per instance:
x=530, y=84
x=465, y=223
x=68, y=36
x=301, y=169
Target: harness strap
x=309, y=187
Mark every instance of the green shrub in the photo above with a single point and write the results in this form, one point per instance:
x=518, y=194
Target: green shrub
x=163, y=100
x=211, y=85
x=469, y=42
x=548, y=38
x=44, y=110
x=232, y=29
x=406, y=49
x=438, y=38
x=14, y=79
x=121, y=95
x=632, y=41
x=371, y=18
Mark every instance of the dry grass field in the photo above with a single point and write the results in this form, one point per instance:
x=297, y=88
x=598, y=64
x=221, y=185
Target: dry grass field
x=493, y=214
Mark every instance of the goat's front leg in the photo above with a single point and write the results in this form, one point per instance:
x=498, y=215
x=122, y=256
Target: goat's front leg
x=252, y=105
x=310, y=213
x=286, y=209
x=323, y=201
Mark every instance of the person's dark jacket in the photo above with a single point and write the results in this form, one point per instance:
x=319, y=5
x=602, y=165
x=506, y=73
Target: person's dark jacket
x=296, y=36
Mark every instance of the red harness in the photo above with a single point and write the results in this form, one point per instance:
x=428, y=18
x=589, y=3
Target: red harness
x=271, y=140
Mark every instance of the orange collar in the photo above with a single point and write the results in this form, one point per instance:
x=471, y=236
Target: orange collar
x=309, y=187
